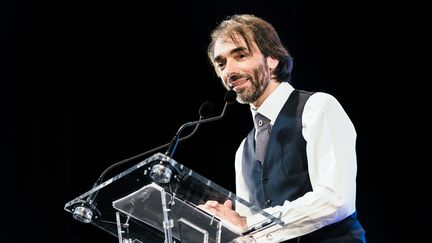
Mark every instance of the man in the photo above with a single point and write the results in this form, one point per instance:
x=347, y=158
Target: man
x=307, y=169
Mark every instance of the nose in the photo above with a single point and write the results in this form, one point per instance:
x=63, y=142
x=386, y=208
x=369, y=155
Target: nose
x=230, y=77
x=227, y=75
x=230, y=69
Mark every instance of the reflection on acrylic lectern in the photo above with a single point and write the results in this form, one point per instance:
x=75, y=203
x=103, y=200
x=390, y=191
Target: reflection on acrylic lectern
x=157, y=200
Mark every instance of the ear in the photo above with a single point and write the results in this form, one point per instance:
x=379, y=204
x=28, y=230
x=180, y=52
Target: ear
x=272, y=62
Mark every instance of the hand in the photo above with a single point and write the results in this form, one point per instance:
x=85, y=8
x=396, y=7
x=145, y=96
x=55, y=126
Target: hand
x=225, y=211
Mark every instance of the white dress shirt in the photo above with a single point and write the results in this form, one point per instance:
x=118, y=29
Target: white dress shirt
x=330, y=137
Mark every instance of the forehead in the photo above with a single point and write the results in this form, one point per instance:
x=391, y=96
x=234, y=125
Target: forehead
x=225, y=44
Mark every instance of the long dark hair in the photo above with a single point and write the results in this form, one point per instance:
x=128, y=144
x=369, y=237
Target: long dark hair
x=254, y=29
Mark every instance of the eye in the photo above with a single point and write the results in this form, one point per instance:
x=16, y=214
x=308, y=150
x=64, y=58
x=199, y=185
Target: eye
x=220, y=65
x=242, y=54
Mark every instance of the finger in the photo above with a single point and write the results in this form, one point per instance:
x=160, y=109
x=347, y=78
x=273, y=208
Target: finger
x=211, y=203
x=228, y=203
x=210, y=210
x=202, y=206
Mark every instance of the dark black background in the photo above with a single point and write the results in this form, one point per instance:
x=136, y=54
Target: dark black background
x=82, y=81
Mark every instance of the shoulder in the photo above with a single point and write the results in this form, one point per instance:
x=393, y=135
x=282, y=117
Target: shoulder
x=321, y=96
x=320, y=103
x=317, y=96
x=319, y=100
x=323, y=110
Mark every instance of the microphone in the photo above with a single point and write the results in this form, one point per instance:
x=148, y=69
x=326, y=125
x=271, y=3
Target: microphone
x=205, y=109
x=162, y=171
x=84, y=210
x=204, y=112
x=229, y=98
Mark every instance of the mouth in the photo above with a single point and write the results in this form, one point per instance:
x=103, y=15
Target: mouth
x=238, y=83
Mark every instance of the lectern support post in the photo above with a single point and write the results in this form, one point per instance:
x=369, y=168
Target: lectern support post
x=167, y=222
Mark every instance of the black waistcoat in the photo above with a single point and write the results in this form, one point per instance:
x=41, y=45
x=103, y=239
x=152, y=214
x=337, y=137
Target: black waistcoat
x=284, y=173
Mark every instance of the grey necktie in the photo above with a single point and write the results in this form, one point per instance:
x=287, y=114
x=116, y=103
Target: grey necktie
x=263, y=128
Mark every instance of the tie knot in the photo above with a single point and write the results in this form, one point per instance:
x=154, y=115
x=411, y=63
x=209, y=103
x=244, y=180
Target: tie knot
x=260, y=120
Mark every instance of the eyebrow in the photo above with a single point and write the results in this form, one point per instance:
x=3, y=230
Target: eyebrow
x=235, y=50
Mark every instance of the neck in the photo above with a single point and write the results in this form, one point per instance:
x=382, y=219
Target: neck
x=273, y=84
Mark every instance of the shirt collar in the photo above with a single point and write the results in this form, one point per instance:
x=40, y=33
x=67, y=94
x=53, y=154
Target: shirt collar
x=271, y=106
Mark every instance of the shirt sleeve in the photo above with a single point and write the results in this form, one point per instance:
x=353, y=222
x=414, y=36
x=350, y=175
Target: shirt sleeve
x=331, y=138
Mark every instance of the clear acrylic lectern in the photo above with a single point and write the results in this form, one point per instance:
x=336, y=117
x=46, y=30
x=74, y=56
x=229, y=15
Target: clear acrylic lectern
x=157, y=200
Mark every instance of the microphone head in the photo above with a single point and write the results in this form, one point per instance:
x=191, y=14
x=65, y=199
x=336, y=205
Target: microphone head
x=205, y=109
x=230, y=96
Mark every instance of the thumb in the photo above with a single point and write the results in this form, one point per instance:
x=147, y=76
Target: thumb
x=228, y=203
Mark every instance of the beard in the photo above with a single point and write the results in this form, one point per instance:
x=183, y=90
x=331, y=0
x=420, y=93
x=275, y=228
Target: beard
x=259, y=81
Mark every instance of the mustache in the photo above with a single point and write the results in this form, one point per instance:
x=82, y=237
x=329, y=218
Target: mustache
x=236, y=76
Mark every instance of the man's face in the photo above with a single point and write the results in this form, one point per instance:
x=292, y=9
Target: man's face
x=246, y=71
